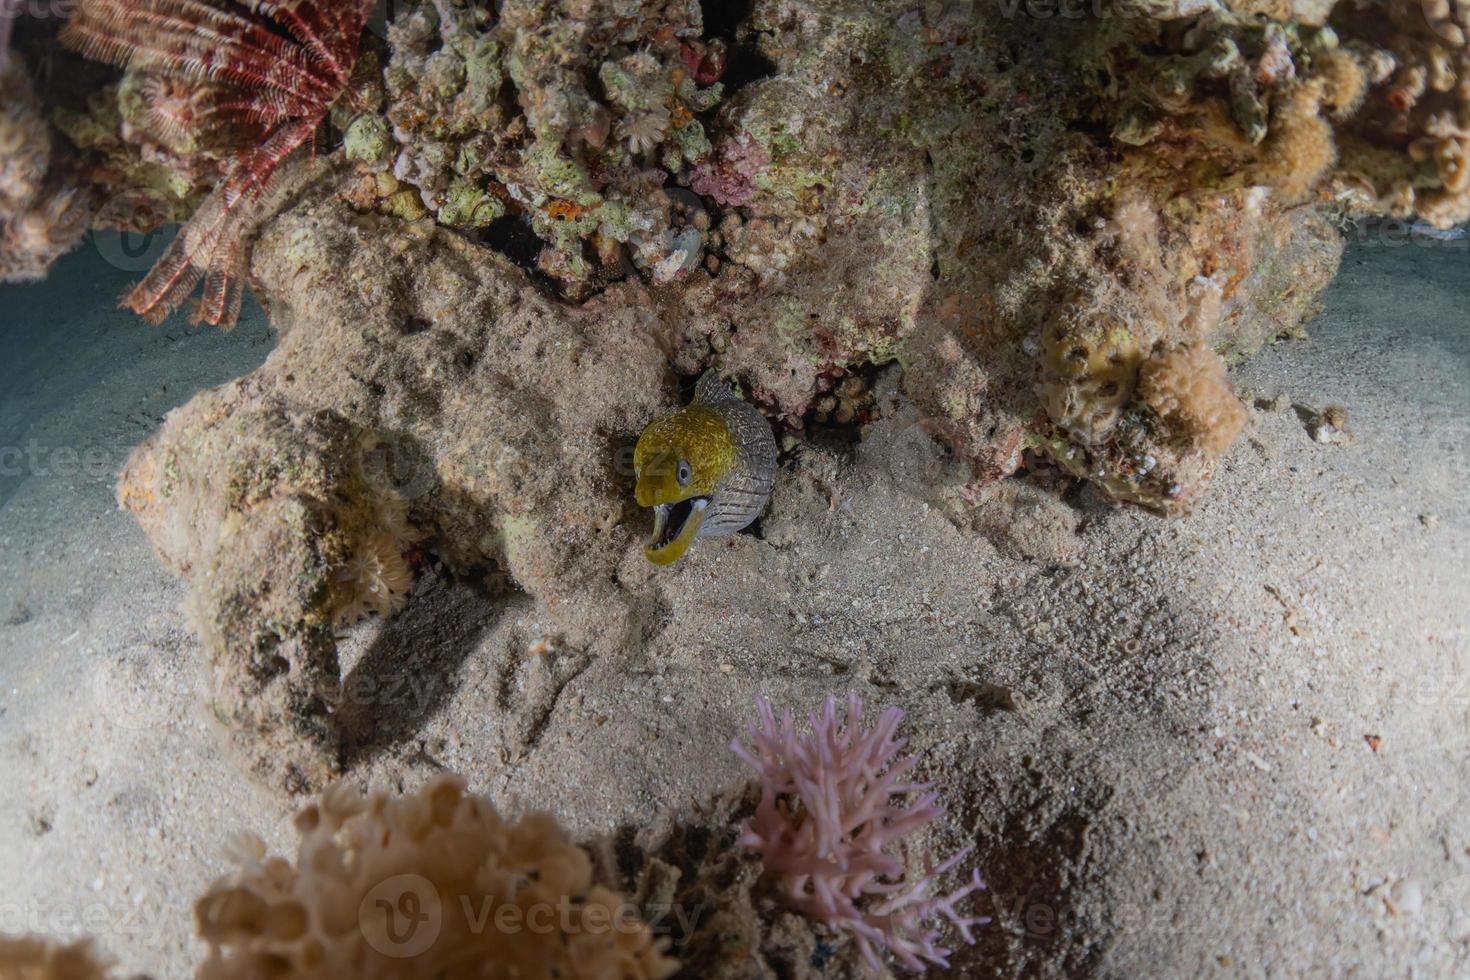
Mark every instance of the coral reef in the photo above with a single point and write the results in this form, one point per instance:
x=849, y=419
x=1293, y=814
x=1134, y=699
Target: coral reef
x=493, y=897
x=1060, y=238
x=495, y=117
x=1408, y=146
x=827, y=824
x=42, y=215
x=255, y=80
x=35, y=958
x=510, y=407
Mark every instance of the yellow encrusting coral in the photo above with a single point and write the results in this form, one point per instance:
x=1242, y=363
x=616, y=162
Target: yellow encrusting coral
x=1091, y=368
x=1187, y=388
x=428, y=884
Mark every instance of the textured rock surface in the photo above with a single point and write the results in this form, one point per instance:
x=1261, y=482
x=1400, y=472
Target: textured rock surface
x=422, y=389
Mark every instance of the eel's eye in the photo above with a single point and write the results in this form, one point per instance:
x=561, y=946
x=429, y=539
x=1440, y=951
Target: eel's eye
x=684, y=474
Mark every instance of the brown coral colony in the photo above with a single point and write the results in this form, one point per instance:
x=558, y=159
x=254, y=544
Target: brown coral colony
x=269, y=74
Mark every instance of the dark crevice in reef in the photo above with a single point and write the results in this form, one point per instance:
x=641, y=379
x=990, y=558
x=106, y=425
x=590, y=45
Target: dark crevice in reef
x=744, y=63
x=722, y=18
x=513, y=237
x=844, y=406
x=686, y=387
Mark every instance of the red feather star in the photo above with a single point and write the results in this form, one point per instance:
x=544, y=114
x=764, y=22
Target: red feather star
x=269, y=73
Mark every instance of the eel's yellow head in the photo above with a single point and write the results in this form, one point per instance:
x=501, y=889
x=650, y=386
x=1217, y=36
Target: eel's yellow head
x=679, y=461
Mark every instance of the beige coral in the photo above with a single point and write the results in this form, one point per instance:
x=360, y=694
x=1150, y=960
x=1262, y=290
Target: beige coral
x=1411, y=139
x=374, y=576
x=1187, y=387
x=34, y=958
x=1301, y=149
x=429, y=884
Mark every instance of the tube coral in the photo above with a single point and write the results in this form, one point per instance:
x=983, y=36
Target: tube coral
x=374, y=579
x=825, y=824
x=1188, y=389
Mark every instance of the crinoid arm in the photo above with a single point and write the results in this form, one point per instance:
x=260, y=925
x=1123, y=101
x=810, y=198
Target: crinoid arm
x=219, y=42
x=210, y=247
x=268, y=72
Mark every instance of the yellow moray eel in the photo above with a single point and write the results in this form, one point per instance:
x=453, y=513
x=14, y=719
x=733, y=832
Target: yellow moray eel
x=706, y=471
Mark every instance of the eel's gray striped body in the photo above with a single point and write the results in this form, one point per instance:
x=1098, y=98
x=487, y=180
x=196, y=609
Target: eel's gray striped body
x=739, y=498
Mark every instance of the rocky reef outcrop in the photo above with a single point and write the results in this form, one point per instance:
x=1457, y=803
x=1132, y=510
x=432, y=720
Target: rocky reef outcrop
x=1061, y=225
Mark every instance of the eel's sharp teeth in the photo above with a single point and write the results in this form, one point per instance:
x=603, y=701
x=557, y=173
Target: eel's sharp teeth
x=660, y=521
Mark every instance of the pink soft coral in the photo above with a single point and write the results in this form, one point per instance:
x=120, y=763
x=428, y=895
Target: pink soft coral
x=829, y=810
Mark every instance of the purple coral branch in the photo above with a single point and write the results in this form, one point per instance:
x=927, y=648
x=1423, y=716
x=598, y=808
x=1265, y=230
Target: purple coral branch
x=829, y=809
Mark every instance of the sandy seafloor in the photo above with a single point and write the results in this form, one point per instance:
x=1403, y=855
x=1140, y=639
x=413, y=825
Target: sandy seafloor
x=1235, y=744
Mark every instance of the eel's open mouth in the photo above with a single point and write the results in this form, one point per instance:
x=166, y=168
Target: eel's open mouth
x=674, y=527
